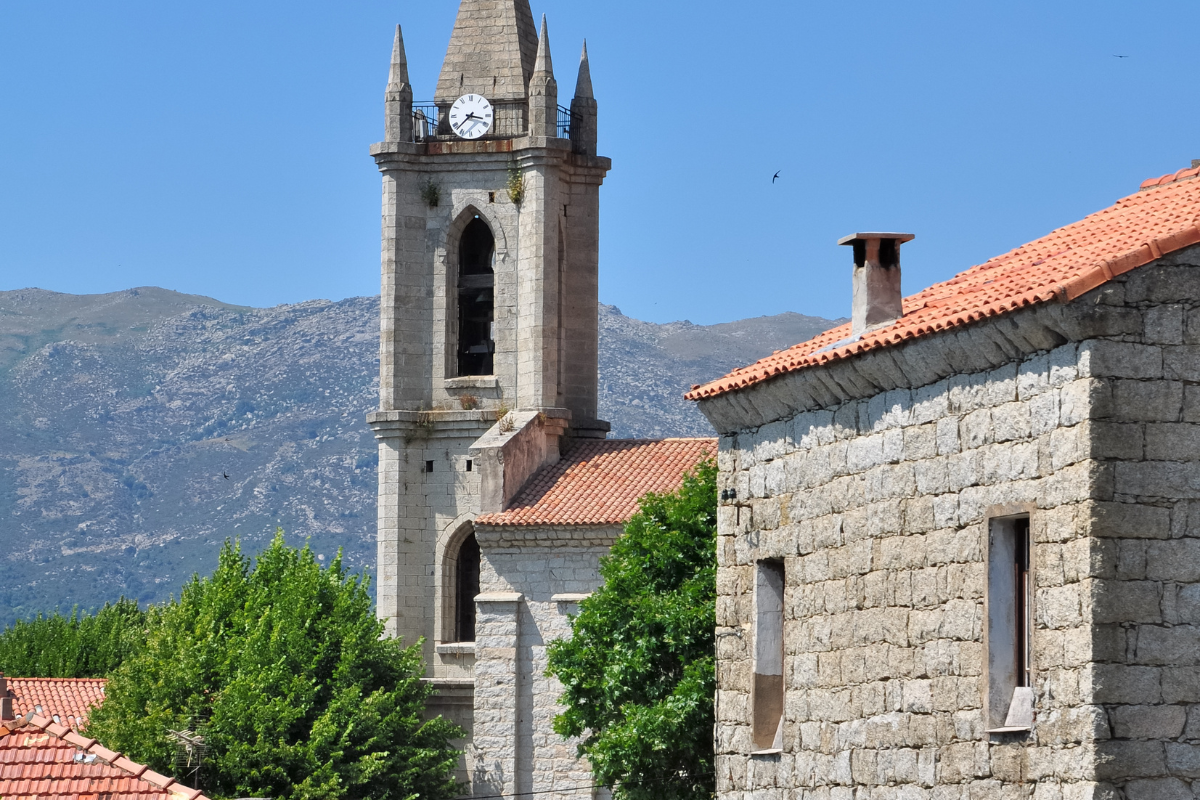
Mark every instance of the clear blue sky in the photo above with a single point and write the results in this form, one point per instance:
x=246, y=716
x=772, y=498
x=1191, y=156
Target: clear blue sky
x=220, y=148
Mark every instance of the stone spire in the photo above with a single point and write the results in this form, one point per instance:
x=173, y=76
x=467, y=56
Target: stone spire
x=584, y=112
x=399, y=96
x=491, y=52
x=583, y=84
x=543, y=90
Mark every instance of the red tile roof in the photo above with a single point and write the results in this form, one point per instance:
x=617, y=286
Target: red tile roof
x=1162, y=218
x=68, y=698
x=45, y=760
x=599, y=481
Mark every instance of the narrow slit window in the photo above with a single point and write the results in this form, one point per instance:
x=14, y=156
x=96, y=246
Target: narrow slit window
x=1010, y=677
x=767, y=690
x=466, y=587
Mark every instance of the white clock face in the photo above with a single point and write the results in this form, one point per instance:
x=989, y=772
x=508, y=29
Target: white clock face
x=471, y=116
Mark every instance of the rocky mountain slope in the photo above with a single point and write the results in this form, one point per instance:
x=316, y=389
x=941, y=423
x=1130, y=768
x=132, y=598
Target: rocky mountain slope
x=143, y=428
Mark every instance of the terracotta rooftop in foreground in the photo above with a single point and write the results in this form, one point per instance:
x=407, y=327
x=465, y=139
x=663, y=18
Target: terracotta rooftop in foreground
x=68, y=698
x=599, y=481
x=1161, y=218
x=42, y=759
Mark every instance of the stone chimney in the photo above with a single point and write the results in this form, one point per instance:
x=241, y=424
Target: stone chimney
x=876, y=279
x=6, y=707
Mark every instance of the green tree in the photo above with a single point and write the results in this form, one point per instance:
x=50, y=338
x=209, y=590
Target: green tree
x=283, y=663
x=78, y=645
x=638, y=670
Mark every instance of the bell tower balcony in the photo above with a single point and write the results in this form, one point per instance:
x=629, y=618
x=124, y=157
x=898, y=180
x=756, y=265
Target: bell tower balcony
x=510, y=120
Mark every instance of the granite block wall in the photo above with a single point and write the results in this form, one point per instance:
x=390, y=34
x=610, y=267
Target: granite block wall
x=548, y=582
x=878, y=508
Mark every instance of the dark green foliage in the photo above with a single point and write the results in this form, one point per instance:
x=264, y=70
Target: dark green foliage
x=76, y=646
x=638, y=670
x=283, y=662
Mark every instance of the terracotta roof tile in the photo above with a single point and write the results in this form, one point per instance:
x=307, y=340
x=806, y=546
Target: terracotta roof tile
x=69, y=698
x=1162, y=218
x=599, y=481
x=37, y=762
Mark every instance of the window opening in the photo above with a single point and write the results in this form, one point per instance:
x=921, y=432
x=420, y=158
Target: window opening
x=1010, y=677
x=476, y=300
x=429, y=466
x=466, y=586
x=470, y=464
x=767, y=699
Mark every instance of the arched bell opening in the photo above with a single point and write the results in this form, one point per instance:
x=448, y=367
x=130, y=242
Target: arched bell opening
x=476, y=300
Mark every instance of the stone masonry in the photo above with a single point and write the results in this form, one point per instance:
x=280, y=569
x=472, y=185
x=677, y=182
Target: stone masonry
x=454, y=446
x=876, y=500
x=532, y=584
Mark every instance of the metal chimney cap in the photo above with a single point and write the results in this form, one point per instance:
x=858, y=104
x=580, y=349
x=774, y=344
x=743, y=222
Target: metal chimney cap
x=862, y=237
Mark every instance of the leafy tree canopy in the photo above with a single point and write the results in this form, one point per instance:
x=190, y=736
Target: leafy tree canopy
x=638, y=670
x=76, y=646
x=281, y=663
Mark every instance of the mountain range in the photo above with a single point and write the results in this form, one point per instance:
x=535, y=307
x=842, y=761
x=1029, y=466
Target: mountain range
x=144, y=428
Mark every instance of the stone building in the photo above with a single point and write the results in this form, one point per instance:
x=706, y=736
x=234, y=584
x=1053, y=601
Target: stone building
x=498, y=487
x=960, y=536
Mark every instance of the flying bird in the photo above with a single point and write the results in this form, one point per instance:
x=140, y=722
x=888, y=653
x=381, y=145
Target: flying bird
x=775, y=176
x=1116, y=56
x=225, y=475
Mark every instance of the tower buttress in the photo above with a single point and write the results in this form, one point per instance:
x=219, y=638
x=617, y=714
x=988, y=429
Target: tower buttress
x=543, y=90
x=399, y=96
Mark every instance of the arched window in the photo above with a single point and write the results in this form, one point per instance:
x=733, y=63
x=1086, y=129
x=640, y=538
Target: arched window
x=466, y=586
x=476, y=299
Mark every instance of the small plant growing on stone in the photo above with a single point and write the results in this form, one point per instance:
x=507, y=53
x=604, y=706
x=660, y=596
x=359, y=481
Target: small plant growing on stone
x=469, y=402
x=422, y=429
x=507, y=423
x=516, y=183
x=431, y=193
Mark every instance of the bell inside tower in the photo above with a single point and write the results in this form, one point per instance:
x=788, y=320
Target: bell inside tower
x=476, y=299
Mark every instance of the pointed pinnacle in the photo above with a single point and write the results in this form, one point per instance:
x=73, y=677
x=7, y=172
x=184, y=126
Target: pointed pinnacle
x=583, y=86
x=399, y=73
x=543, y=65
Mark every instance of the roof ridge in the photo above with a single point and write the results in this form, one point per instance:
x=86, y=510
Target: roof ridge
x=102, y=680
x=1187, y=173
x=103, y=754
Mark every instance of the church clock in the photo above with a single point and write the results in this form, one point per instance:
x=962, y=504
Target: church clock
x=471, y=116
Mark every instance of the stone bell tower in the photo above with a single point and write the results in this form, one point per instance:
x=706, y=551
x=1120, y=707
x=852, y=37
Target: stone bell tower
x=488, y=350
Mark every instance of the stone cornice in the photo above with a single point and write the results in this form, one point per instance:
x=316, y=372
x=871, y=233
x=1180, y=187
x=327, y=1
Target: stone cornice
x=431, y=424
x=489, y=154
x=498, y=536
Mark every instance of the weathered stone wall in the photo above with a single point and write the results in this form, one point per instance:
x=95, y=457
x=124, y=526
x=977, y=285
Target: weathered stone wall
x=546, y=262
x=1145, y=585
x=540, y=585
x=878, y=508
